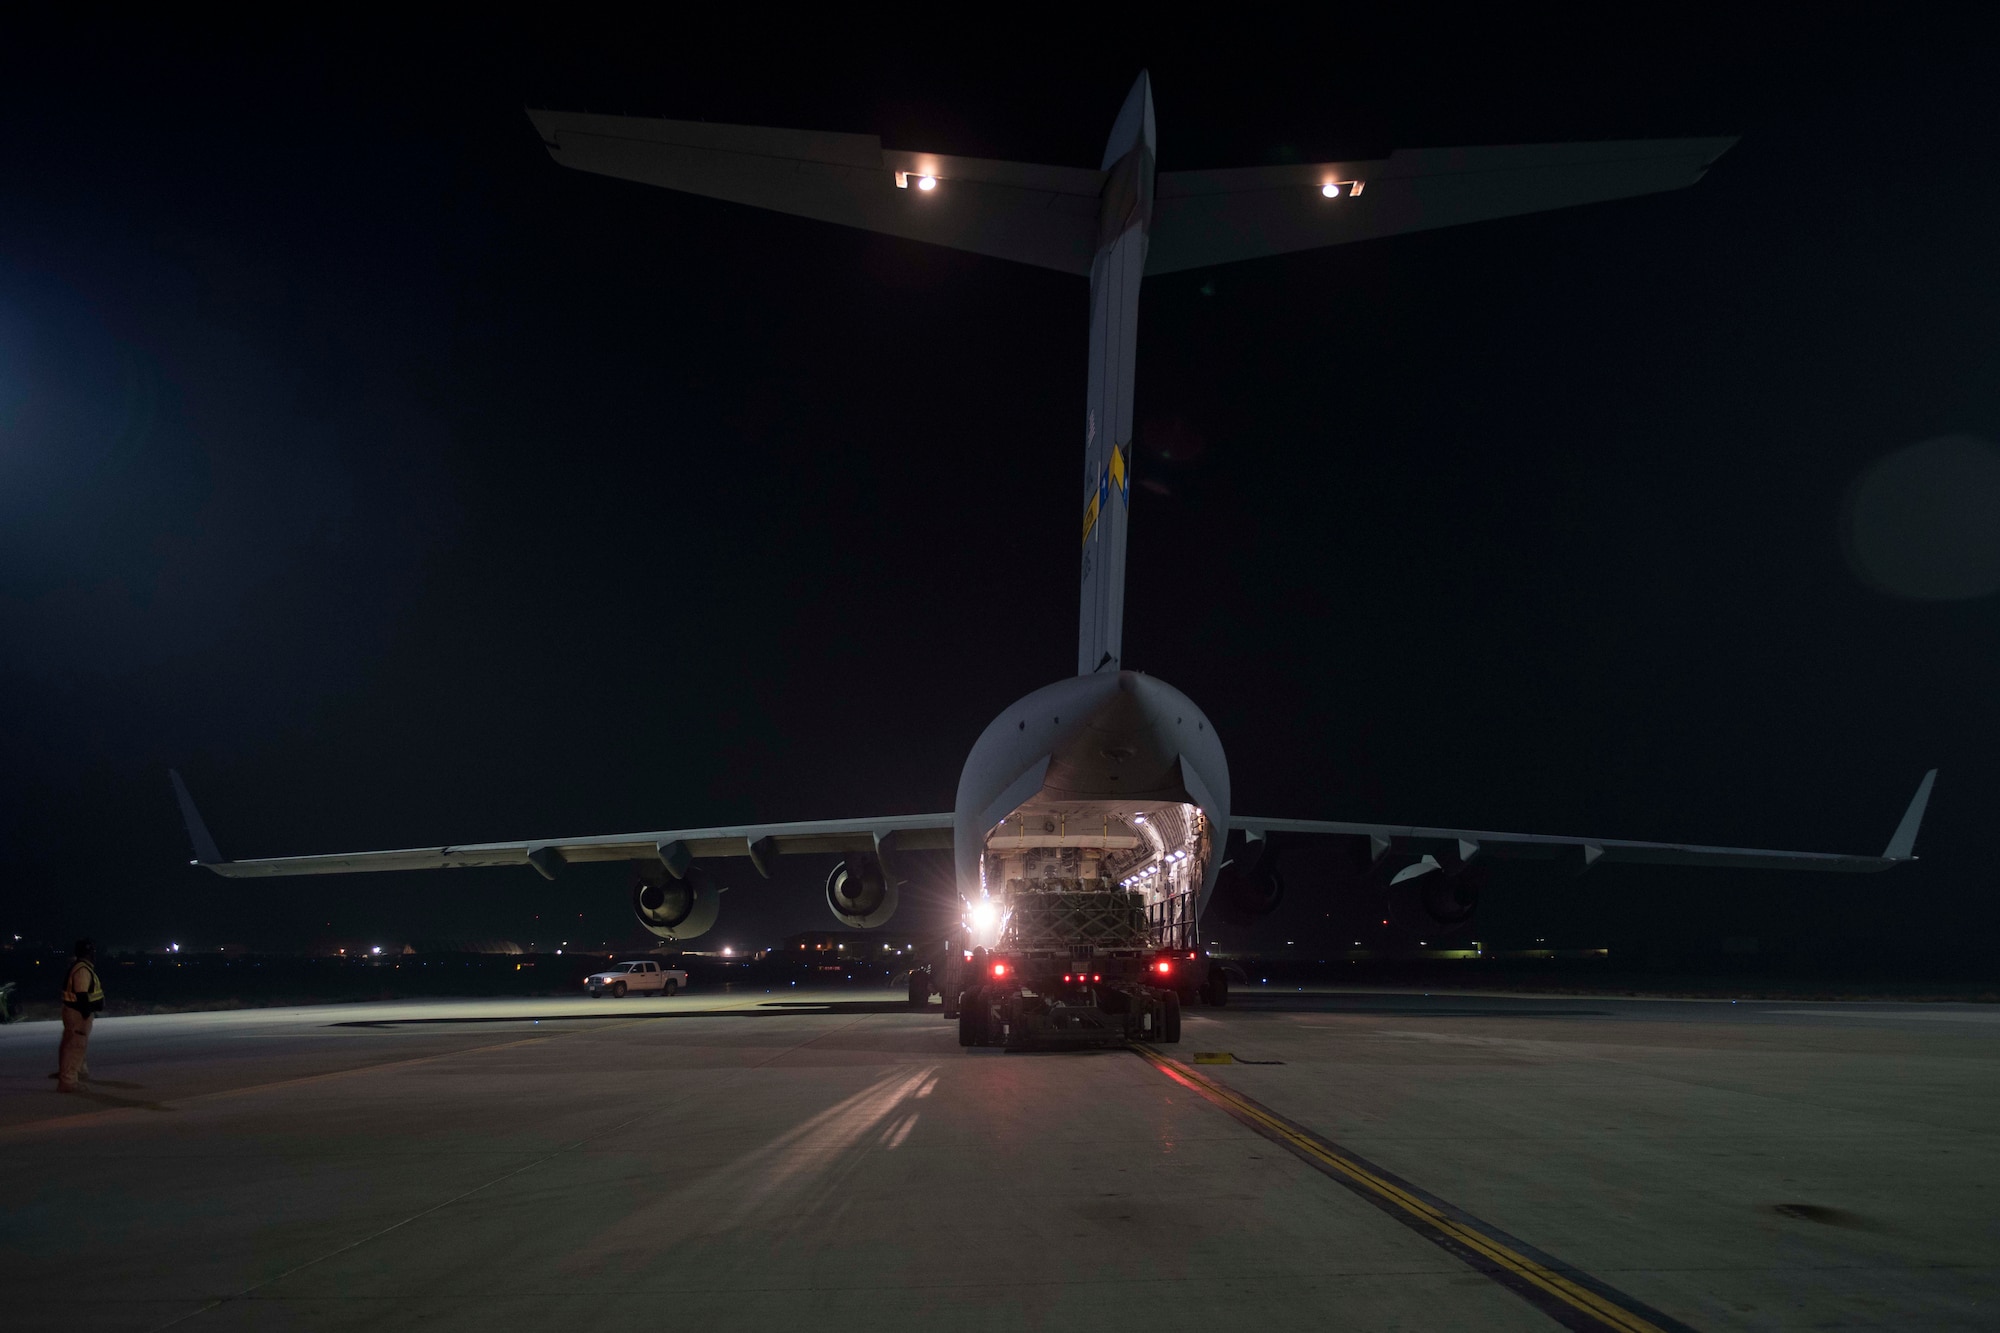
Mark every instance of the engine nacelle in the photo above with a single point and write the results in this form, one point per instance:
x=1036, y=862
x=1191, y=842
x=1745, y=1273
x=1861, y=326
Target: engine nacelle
x=676, y=909
x=861, y=896
x=1451, y=899
x=1250, y=885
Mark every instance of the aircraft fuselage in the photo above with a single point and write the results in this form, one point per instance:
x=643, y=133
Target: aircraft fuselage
x=1112, y=780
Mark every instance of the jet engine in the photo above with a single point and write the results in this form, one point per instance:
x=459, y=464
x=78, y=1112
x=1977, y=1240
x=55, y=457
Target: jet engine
x=1250, y=885
x=1451, y=899
x=676, y=909
x=861, y=896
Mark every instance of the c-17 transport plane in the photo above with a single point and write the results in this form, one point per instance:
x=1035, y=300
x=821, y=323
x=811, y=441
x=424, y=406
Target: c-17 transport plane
x=1093, y=815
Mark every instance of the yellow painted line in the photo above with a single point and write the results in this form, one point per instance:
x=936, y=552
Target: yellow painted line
x=1539, y=1275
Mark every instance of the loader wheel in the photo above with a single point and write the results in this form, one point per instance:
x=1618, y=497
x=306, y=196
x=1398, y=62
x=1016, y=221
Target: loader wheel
x=1170, y=1021
x=1217, y=988
x=972, y=1018
x=920, y=988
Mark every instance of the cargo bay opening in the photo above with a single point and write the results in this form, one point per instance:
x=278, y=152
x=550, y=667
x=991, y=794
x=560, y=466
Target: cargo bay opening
x=1083, y=878
x=1085, y=928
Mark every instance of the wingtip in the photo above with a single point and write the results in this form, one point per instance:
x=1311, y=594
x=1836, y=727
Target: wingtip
x=543, y=120
x=205, y=851
x=1903, y=846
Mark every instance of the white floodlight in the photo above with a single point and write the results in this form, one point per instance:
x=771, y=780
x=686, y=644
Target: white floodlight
x=1331, y=190
x=926, y=182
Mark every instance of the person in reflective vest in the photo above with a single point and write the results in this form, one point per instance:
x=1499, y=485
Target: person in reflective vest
x=83, y=996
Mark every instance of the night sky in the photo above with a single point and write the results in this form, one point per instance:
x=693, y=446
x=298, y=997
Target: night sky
x=400, y=487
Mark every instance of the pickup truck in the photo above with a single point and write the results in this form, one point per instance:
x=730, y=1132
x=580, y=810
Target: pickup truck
x=622, y=977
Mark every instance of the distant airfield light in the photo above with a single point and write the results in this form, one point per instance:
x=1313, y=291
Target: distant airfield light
x=1331, y=190
x=376, y=949
x=175, y=948
x=926, y=182
x=728, y=952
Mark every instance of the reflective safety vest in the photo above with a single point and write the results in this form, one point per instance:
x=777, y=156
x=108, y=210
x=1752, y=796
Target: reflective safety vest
x=86, y=1001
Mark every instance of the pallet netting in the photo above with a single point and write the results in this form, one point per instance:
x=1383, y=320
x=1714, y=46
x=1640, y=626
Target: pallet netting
x=1061, y=919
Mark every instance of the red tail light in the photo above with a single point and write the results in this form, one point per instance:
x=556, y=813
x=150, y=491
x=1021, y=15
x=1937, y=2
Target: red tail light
x=1163, y=967
x=999, y=969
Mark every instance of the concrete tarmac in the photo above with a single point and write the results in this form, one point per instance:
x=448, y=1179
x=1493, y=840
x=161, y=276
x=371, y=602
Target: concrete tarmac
x=752, y=1161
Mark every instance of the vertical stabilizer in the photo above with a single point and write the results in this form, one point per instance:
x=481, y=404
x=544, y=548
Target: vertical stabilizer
x=1125, y=218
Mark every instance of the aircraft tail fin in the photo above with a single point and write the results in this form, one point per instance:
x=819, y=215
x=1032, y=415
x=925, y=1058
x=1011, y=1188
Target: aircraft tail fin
x=1125, y=218
x=1105, y=223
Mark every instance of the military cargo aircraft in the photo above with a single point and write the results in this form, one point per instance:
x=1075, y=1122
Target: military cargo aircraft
x=1093, y=815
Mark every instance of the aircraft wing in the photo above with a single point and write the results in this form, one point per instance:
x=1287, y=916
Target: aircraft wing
x=1443, y=847
x=675, y=848
x=1217, y=217
x=1041, y=215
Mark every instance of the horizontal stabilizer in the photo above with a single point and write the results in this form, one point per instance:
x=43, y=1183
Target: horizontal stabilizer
x=1049, y=216
x=1041, y=215
x=1218, y=217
